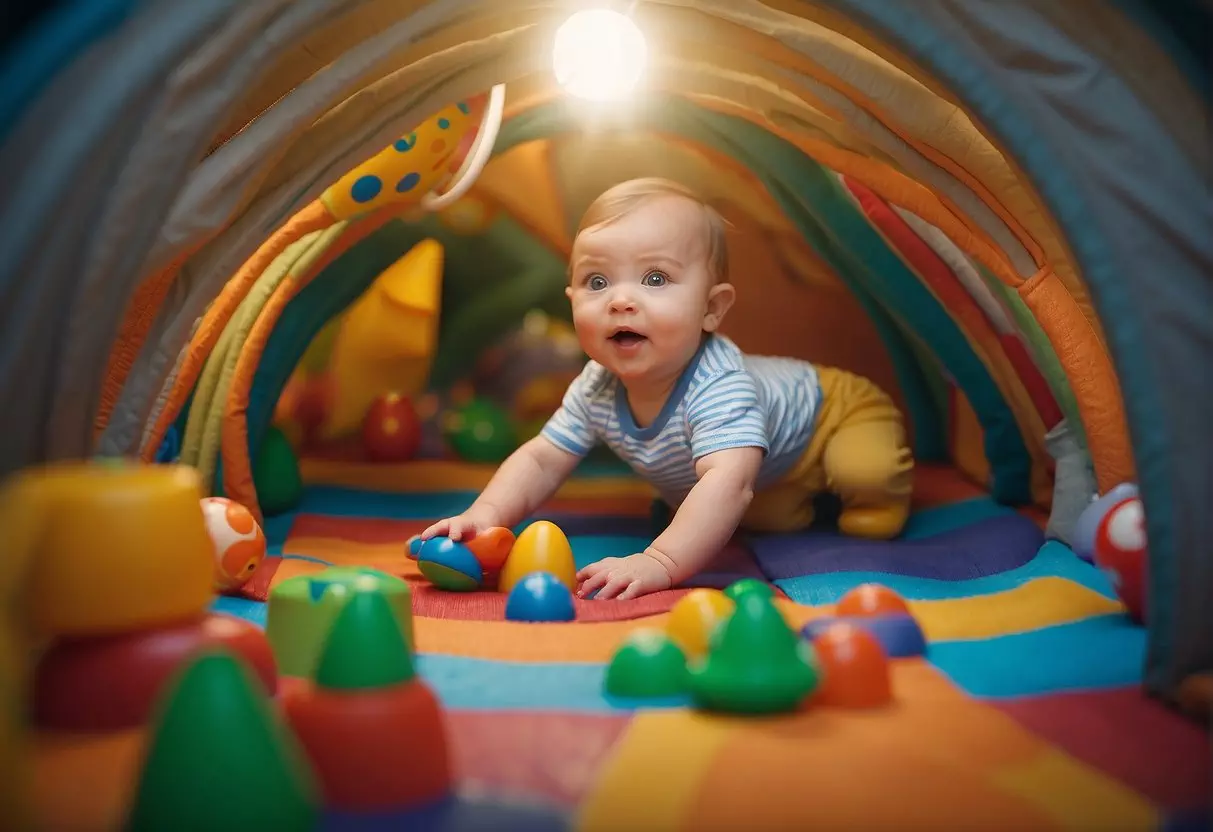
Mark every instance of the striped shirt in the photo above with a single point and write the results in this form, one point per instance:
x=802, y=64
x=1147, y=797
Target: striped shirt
x=724, y=399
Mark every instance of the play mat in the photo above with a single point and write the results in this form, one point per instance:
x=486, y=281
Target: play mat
x=1026, y=711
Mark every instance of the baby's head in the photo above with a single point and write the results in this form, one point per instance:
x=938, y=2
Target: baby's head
x=648, y=277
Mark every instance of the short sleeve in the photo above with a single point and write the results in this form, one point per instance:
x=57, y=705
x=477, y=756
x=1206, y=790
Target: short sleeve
x=725, y=412
x=571, y=426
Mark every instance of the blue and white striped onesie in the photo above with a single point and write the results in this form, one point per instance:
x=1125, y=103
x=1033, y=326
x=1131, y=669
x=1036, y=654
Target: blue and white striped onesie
x=724, y=399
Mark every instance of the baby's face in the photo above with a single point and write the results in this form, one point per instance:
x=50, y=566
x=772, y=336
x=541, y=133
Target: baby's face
x=641, y=290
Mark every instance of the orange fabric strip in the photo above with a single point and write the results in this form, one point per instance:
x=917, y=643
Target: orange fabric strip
x=313, y=217
x=237, y=468
x=1091, y=375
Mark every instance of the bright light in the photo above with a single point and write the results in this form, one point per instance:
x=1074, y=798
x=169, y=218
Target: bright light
x=599, y=55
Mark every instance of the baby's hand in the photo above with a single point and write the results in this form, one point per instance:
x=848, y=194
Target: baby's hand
x=623, y=578
x=463, y=527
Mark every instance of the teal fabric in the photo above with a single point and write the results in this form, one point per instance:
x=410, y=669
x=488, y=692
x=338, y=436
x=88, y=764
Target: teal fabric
x=831, y=223
x=1136, y=216
x=928, y=419
x=1181, y=27
x=29, y=64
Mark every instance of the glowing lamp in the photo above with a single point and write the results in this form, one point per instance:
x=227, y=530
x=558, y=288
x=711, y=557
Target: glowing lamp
x=599, y=55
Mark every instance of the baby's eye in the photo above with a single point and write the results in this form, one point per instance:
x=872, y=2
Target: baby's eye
x=655, y=279
x=596, y=282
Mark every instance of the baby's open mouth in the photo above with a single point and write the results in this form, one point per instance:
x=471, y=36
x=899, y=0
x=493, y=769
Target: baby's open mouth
x=627, y=337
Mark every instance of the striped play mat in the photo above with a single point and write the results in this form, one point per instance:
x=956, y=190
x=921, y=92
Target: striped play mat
x=1024, y=714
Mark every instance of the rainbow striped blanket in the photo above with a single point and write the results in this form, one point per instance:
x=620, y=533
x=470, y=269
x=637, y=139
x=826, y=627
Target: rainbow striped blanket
x=1024, y=714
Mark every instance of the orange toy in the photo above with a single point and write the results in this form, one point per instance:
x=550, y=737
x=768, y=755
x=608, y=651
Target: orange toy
x=491, y=547
x=871, y=599
x=855, y=667
x=238, y=540
x=372, y=730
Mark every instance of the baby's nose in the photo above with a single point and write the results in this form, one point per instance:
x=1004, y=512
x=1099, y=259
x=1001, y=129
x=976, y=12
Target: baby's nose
x=622, y=301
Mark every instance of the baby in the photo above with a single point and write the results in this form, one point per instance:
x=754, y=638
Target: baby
x=728, y=440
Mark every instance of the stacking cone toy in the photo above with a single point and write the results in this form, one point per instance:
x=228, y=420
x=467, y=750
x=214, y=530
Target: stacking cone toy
x=372, y=729
x=220, y=759
x=756, y=665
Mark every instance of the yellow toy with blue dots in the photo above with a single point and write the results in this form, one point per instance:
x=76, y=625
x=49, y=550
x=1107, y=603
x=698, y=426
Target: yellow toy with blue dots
x=412, y=166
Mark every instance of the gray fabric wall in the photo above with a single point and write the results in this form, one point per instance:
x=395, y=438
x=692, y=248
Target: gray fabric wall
x=1137, y=216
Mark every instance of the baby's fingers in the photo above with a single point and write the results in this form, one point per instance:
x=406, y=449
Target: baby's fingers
x=461, y=529
x=613, y=586
x=633, y=590
x=593, y=582
x=596, y=568
x=439, y=529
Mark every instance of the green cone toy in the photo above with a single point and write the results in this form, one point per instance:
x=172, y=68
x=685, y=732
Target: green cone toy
x=648, y=664
x=365, y=649
x=220, y=759
x=756, y=665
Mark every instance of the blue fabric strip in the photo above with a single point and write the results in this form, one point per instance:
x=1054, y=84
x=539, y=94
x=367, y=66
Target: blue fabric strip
x=1095, y=654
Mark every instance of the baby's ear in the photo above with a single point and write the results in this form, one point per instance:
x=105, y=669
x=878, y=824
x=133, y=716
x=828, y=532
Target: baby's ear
x=720, y=301
x=568, y=292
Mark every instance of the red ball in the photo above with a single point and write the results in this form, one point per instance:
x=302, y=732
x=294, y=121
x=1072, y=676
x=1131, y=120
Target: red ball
x=391, y=431
x=1121, y=549
x=314, y=403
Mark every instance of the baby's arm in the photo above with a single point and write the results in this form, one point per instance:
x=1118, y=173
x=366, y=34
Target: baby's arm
x=701, y=527
x=729, y=441
x=526, y=480
x=533, y=473
x=710, y=514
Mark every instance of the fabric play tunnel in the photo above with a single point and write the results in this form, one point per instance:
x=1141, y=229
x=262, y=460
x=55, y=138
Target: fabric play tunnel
x=998, y=211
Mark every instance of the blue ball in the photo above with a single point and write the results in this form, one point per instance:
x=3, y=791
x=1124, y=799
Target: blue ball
x=540, y=596
x=899, y=635
x=415, y=544
x=449, y=565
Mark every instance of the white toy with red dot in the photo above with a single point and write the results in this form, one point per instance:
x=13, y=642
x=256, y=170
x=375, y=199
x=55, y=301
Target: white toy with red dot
x=238, y=540
x=1111, y=532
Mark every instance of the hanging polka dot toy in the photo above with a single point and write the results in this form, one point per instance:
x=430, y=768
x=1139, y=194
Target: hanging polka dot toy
x=411, y=166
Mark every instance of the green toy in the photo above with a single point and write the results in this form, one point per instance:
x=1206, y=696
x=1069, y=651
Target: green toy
x=276, y=474
x=746, y=586
x=480, y=431
x=303, y=610
x=756, y=665
x=366, y=649
x=219, y=758
x=647, y=664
